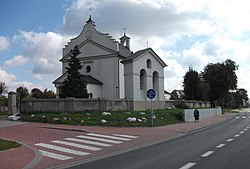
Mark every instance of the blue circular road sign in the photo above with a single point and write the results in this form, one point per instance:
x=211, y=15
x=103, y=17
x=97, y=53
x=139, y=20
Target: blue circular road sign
x=151, y=93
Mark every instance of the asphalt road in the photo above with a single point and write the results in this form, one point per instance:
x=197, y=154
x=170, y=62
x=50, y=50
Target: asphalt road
x=225, y=146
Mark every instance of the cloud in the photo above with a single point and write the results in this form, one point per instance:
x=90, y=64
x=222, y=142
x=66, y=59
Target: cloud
x=43, y=50
x=4, y=43
x=5, y=77
x=16, y=61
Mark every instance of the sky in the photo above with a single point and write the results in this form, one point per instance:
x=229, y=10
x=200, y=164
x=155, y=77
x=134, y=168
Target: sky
x=184, y=33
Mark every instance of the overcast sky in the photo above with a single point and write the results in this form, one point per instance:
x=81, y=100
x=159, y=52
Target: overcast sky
x=184, y=33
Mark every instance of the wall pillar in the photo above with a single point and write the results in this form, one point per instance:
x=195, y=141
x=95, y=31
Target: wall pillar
x=12, y=107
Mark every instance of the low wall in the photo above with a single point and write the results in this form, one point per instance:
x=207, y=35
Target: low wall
x=73, y=105
x=188, y=114
x=189, y=103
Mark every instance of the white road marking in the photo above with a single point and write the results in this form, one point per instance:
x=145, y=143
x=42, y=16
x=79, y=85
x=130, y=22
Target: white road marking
x=124, y=135
x=55, y=156
x=88, y=142
x=237, y=117
x=242, y=132
x=106, y=136
x=76, y=145
x=207, y=154
x=99, y=139
x=62, y=149
x=244, y=117
x=231, y=139
x=236, y=135
x=220, y=145
x=187, y=166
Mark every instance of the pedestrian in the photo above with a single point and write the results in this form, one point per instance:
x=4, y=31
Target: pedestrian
x=196, y=115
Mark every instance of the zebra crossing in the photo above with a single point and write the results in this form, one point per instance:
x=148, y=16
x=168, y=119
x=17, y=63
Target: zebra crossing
x=81, y=145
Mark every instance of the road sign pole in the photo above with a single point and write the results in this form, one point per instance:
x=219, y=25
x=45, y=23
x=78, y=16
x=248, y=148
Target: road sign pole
x=152, y=118
x=151, y=94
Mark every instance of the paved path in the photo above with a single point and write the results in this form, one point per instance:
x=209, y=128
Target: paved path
x=50, y=145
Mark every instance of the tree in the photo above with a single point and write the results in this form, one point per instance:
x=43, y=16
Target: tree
x=221, y=78
x=3, y=88
x=240, y=98
x=74, y=85
x=36, y=93
x=49, y=94
x=194, y=88
x=23, y=91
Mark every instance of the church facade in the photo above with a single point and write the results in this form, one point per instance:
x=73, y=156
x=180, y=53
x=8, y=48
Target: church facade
x=111, y=70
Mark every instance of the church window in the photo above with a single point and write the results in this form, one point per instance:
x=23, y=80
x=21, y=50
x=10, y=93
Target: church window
x=143, y=79
x=149, y=64
x=88, y=69
x=155, y=81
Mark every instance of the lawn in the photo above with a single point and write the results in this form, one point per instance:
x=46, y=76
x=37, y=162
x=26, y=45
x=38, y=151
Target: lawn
x=114, y=118
x=5, y=144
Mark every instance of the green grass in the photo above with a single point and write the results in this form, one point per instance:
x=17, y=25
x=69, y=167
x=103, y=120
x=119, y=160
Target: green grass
x=5, y=144
x=117, y=118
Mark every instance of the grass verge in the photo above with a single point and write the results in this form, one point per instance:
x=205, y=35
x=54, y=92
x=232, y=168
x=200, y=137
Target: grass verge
x=5, y=144
x=115, y=118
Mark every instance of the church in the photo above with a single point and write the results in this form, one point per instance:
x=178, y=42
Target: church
x=111, y=70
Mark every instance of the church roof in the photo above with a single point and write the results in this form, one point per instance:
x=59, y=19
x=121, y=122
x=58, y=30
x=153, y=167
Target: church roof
x=89, y=79
x=140, y=53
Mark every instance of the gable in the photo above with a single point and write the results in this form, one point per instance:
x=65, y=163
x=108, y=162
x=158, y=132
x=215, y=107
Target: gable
x=145, y=53
x=91, y=49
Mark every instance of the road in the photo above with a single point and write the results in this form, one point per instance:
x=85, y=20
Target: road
x=225, y=146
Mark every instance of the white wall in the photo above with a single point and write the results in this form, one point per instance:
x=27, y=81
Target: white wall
x=96, y=90
x=132, y=78
x=188, y=114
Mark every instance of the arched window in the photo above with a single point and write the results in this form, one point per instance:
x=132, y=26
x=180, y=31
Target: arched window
x=149, y=64
x=143, y=79
x=155, y=81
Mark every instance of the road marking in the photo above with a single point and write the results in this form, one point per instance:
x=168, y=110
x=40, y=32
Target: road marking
x=62, y=149
x=231, y=139
x=207, y=154
x=88, y=142
x=242, y=132
x=244, y=117
x=187, y=166
x=236, y=135
x=106, y=136
x=55, y=156
x=220, y=145
x=99, y=139
x=237, y=117
x=76, y=145
x=124, y=135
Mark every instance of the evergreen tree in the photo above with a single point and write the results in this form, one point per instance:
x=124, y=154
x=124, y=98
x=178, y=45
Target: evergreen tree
x=74, y=85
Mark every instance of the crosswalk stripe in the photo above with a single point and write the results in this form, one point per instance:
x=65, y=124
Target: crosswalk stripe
x=55, y=156
x=62, y=149
x=106, y=136
x=88, y=142
x=124, y=135
x=99, y=139
x=76, y=145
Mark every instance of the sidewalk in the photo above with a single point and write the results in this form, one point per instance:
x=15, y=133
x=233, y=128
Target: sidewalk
x=27, y=156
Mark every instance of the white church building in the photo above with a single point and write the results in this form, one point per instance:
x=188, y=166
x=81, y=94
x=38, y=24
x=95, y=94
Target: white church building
x=112, y=71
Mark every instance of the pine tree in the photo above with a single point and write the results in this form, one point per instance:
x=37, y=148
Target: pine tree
x=74, y=85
